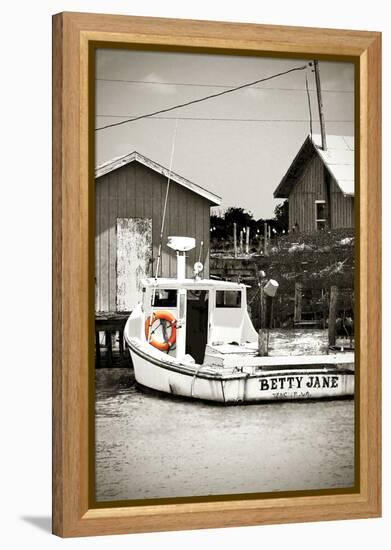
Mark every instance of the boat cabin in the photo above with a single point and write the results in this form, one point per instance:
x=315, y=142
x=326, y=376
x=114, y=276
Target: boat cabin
x=206, y=312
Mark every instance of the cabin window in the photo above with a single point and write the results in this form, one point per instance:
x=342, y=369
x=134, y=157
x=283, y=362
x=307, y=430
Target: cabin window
x=195, y=295
x=165, y=297
x=228, y=298
x=320, y=215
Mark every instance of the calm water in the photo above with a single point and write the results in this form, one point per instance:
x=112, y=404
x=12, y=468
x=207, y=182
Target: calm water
x=152, y=446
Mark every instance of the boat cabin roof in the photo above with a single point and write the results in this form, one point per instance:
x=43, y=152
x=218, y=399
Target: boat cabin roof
x=207, y=284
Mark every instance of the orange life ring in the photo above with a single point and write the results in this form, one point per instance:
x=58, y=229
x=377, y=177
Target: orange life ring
x=166, y=316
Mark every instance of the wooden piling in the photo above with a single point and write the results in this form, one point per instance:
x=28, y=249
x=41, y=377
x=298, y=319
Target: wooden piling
x=235, y=241
x=121, y=345
x=298, y=302
x=261, y=309
x=265, y=239
x=265, y=314
x=262, y=342
x=333, y=314
x=268, y=307
x=109, y=347
x=97, y=349
x=247, y=240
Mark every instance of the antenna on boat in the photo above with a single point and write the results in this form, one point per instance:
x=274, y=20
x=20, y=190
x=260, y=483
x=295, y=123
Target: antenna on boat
x=162, y=228
x=200, y=254
x=181, y=245
x=199, y=266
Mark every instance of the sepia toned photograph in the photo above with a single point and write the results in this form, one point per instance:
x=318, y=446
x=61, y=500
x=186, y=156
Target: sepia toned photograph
x=224, y=275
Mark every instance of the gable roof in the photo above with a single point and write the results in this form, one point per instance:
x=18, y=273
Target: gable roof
x=118, y=162
x=338, y=159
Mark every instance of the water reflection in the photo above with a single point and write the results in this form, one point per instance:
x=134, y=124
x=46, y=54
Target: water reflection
x=154, y=446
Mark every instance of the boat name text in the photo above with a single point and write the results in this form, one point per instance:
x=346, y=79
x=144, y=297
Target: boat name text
x=298, y=382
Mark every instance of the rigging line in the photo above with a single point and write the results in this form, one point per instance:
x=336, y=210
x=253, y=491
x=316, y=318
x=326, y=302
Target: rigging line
x=196, y=85
x=309, y=103
x=192, y=102
x=162, y=229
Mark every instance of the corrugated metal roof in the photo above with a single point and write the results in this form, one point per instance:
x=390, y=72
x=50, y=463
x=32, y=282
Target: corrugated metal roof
x=118, y=162
x=338, y=158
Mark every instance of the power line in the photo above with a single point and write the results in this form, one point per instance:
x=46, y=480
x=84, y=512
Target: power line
x=199, y=85
x=224, y=119
x=192, y=102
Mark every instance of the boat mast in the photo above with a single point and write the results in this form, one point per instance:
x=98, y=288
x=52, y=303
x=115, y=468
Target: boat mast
x=162, y=231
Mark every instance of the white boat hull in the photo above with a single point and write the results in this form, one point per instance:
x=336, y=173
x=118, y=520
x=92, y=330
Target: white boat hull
x=277, y=384
x=235, y=373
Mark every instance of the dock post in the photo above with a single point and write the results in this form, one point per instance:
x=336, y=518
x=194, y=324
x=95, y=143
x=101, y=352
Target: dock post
x=109, y=347
x=298, y=302
x=262, y=342
x=265, y=239
x=235, y=242
x=97, y=349
x=121, y=345
x=261, y=309
x=333, y=314
x=265, y=322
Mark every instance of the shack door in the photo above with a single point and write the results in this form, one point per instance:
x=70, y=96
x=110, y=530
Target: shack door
x=134, y=259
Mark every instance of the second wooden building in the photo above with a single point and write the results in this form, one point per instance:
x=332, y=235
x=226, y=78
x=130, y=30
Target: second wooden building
x=319, y=185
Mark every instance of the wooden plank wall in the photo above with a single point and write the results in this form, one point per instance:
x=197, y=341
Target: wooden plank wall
x=137, y=191
x=342, y=208
x=310, y=188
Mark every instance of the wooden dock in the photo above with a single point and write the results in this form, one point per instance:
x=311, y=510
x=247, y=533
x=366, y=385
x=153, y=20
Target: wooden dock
x=112, y=351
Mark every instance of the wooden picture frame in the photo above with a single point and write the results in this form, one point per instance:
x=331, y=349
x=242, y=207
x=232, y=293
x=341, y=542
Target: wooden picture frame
x=75, y=35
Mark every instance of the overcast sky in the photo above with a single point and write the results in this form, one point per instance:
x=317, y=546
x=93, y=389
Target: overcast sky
x=240, y=160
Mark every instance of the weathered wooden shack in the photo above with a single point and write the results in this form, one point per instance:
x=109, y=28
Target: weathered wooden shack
x=129, y=198
x=319, y=185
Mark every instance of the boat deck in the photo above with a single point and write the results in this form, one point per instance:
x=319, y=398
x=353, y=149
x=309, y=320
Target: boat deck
x=297, y=348
x=227, y=356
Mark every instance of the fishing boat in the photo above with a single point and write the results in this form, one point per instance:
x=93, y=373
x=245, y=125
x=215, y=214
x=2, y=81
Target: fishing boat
x=193, y=337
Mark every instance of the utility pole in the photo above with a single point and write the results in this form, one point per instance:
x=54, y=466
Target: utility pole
x=320, y=105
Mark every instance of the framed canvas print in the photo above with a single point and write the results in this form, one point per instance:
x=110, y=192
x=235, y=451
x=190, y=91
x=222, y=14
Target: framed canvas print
x=216, y=295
